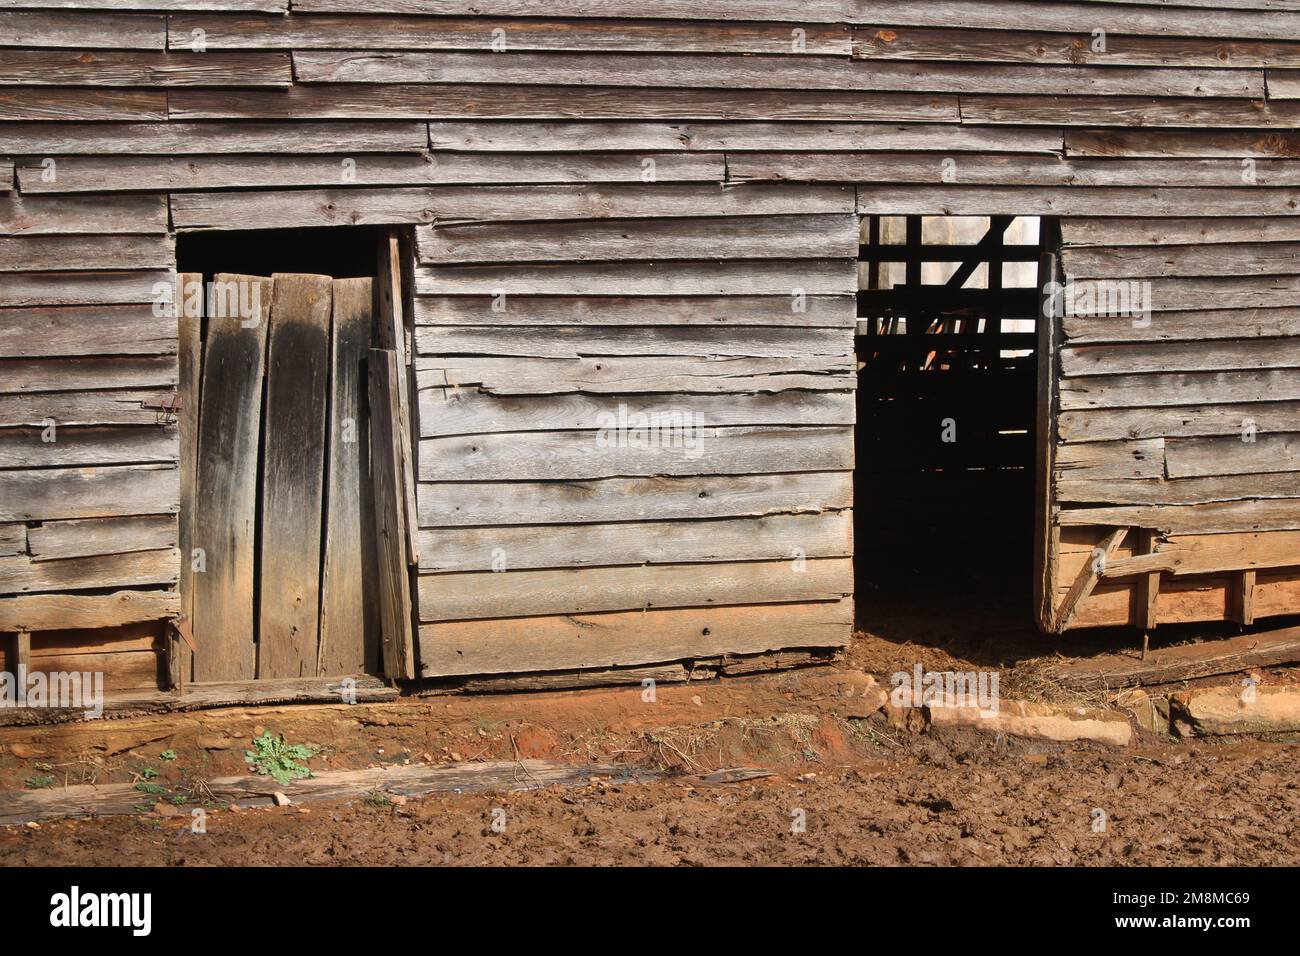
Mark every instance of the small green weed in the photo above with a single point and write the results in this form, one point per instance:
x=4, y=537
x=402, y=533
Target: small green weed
x=271, y=756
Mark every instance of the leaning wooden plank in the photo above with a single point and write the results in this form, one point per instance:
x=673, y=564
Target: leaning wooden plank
x=408, y=781
x=1179, y=421
x=1180, y=388
x=230, y=430
x=768, y=277
x=78, y=68
x=111, y=407
x=665, y=446
x=550, y=341
x=79, y=30
x=570, y=642
x=71, y=374
x=1246, y=453
x=66, y=103
x=461, y=504
x=82, y=288
x=804, y=237
x=371, y=206
x=1087, y=579
x=39, y=253
x=166, y=139
x=162, y=173
x=1183, y=662
x=721, y=310
x=1021, y=46
x=59, y=215
x=1182, y=491
x=528, y=136
x=791, y=537
x=470, y=412
x=53, y=446
x=42, y=494
x=894, y=200
x=390, y=515
x=22, y=575
x=1211, y=554
x=1167, y=111
x=628, y=374
x=1164, y=143
x=1282, y=514
x=292, y=490
x=392, y=331
x=1187, y=326
x=93, y=536
x=592, y=70
x=349, y=629
x=43, y=612
x=475, y=33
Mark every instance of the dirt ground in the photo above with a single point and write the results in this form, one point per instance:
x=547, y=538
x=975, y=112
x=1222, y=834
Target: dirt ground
x=866, y=790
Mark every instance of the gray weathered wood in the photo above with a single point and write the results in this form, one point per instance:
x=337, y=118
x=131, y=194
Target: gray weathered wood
x=719, y=310
x=85, y=537
x=292, y=488
x=44, y=612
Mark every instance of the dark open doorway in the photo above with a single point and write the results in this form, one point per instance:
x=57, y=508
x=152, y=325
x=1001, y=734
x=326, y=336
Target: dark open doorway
x=947, y=392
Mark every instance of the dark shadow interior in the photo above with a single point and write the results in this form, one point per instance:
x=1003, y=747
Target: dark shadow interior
x=343, y=253
x=947, y=349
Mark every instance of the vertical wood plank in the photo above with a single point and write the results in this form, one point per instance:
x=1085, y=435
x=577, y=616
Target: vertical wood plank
x=1148, y=585
x=225, y=513
x=1244, y=598
x=20, y=652
x=1046, y=532
x=392, y=333
x=293, y=459
x=189, y=330
x=349, y=623
x=390, y=515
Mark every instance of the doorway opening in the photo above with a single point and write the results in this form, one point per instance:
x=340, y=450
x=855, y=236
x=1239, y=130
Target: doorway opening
x=281, y=524
x=947, y=347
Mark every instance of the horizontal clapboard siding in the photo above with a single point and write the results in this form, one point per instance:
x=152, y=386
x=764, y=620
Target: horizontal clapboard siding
x=634, y=311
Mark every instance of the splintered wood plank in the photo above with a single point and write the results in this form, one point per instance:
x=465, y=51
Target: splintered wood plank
x=725, y=310
x=1088, y=576
x=293, y=457
x=189, y=317
x=621, y=638
x=44, y=494
x=230, y=427
x=79, y=538
x=81, y=215
x=390, y=515
x=66, y=103
x=349, y=626
x=81, y=29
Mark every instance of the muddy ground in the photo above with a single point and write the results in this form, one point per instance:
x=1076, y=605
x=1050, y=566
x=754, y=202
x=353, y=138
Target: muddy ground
x=868, y=790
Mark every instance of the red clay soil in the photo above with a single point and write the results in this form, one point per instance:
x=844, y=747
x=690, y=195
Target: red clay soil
x=871, y=792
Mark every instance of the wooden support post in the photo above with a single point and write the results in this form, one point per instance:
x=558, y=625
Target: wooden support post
x=390, y=515
x=20, y=651
x=1148, y=586
x=391, y=333
x=1243, y=603
x=1046, y=532
x=190, y=301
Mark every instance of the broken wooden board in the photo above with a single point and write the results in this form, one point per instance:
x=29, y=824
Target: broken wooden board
x=417, y=780
x=293, y=456
x=1185, y=662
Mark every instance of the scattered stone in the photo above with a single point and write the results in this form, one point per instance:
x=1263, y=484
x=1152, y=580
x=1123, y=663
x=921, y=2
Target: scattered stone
x=398, y=800
x=216, y=743
x=281, y=799
x=1042, y=721
x=164, y=809
x=26, y=751
x=1238, y=709
x=32, y=825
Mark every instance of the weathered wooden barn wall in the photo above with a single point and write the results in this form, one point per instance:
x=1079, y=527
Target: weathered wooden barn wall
x=653, y=206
